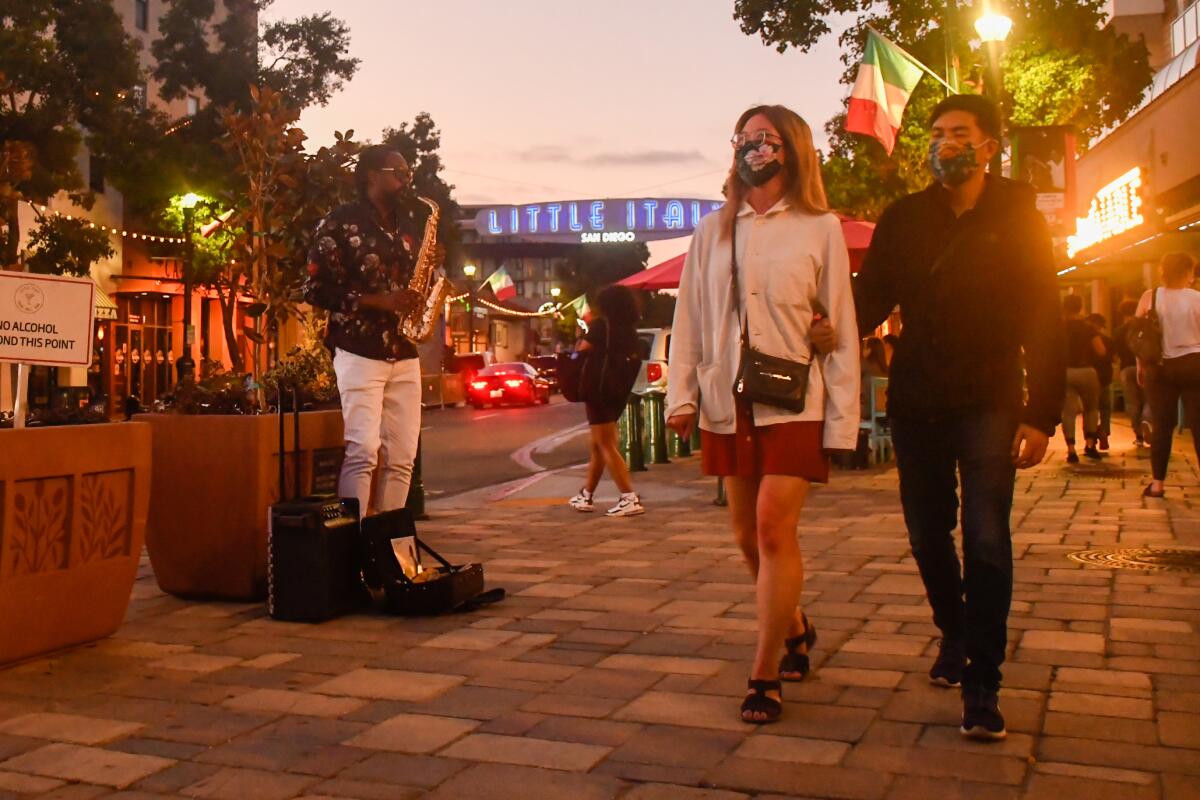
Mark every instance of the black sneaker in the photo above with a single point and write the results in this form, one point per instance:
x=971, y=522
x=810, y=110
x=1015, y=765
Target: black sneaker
x=1091, y=452
x=1072, y=458
x=981, y=716
x=947, y=670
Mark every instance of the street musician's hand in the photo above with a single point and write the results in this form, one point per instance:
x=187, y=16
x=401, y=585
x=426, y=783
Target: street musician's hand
x=399, y=302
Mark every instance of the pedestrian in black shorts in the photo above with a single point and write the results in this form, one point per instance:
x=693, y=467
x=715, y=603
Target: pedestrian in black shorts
x=613, y=334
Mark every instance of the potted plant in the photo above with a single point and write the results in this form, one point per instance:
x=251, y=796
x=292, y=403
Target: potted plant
x=73, y=505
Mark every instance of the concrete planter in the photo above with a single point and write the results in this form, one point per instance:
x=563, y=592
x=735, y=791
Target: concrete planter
x=215, y=477
x=73, y=504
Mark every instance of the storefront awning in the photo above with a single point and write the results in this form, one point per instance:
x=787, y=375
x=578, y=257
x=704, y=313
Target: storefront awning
x=104, y=305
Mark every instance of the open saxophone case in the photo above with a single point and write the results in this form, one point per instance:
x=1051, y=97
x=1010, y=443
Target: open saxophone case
x=393, y=563
x=313, y=550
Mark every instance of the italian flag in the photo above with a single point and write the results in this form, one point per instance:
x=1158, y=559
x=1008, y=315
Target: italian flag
x=886, y=79
x=502, y=284
x=582, y=310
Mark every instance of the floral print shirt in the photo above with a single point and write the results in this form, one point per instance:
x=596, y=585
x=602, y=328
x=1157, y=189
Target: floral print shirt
x=354, y=255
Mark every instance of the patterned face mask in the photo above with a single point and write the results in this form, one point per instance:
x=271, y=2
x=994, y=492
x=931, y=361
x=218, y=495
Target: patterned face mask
x=758, y=163
x=957, y=169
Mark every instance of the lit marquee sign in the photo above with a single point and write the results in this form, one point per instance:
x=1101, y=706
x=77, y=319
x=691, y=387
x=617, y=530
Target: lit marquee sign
x=1115, y=209
x=596, y=221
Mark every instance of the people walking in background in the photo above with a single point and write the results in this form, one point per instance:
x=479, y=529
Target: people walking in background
x=611, y=338
x=969, y=261
x=1132, y=392
x=1104, y=371
x=1178, y=376
x=1084, y=348
x=758, y=275
x=874, y=365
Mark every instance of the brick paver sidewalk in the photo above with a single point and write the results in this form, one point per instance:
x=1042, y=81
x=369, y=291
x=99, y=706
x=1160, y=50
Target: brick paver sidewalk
x=615, y=668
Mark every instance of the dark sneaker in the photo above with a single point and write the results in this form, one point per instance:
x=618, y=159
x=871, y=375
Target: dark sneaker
x=1072, y=458
x=1103, y=441
x=1091, y=452
x=947, y=670
x=981, y=716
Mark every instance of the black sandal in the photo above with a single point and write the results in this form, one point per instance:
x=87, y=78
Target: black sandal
x=757, y=701
x=795, y=662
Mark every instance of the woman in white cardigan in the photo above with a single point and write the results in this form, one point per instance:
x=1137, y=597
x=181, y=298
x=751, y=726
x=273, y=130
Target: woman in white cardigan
x=792, y=270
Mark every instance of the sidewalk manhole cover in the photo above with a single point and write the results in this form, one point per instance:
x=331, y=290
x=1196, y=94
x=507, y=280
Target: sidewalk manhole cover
x=1153, y=560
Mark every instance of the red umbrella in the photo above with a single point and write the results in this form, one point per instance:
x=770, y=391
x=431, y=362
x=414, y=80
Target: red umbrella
x=666, y=275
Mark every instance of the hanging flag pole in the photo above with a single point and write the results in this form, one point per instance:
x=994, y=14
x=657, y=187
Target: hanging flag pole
x=917, y=62
x=886, y=79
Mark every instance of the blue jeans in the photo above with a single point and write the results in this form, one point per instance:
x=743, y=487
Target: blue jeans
x=970, y=601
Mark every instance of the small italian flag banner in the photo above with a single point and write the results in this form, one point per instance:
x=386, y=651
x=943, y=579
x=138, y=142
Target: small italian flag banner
x=582, y=310
x=502, y=285
x=886, y=79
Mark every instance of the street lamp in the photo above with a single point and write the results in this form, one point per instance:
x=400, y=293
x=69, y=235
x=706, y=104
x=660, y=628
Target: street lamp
x=993, y=28
x=469, y=271
x=186, y=366
x=555, y=292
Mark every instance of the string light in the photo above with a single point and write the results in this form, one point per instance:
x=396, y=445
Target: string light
x=149, y=237
x=509, y=311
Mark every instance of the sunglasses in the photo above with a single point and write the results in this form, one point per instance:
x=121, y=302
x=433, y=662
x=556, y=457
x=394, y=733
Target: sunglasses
x=758, y=139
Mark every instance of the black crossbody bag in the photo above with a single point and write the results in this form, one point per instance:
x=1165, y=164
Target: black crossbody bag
x=763, y=378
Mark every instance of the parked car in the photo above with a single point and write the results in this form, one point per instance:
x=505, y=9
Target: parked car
x=656, y=344
x=547, y=367
x=511, y=383
x=469, y=364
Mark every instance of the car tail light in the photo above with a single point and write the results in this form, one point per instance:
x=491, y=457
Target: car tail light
x=479, y=384
x=653, y=372
x=514, y=384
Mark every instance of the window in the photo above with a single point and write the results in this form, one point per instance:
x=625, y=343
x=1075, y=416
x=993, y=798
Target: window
x=1185, y=29
x=96, y=174
x=193, y=105
x=141, y=14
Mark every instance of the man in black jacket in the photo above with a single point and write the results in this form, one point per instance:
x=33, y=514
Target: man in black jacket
x=969, y=262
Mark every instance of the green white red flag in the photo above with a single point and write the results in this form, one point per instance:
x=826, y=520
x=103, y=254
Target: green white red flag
x=502, y=285
x=582, y=310
x=886, y=79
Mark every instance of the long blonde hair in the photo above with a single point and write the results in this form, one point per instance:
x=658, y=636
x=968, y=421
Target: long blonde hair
x=801, y=169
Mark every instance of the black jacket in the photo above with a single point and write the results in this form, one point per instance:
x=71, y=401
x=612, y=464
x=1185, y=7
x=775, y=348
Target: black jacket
x=978, y=300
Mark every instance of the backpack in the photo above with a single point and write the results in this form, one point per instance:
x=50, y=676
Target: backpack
x=1144, y=335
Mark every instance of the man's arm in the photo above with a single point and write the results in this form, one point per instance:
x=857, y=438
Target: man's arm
x=875, y=286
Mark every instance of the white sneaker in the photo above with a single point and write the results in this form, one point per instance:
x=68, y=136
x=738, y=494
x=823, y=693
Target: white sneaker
x=582, y=501
x=628, y=506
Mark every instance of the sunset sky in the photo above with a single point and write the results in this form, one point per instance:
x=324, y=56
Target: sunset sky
x=543, y=100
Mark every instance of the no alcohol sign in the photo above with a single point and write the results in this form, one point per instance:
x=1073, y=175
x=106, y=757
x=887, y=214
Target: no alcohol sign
x=45, y=319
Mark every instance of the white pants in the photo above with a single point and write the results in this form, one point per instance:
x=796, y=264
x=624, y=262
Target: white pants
x=381, y=408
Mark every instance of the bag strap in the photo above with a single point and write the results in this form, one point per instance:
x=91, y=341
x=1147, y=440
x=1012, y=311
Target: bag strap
x=743, y=322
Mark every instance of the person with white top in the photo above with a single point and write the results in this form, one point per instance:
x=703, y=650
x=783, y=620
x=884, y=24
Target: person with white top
x=765, y=269
x=1178, y=376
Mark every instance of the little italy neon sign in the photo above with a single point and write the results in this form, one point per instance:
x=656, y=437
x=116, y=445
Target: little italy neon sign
x=1115, y=209
x=596, y=221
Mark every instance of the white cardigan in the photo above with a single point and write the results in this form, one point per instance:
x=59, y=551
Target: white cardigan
x=786, y=260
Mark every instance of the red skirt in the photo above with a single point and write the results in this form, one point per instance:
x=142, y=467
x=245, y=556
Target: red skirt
x=787, y=448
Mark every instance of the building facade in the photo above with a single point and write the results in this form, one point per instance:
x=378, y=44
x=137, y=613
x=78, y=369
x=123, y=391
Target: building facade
x=1139, y=184
x=139, y=310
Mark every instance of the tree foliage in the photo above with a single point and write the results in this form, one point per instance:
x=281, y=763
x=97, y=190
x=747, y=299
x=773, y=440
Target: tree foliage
x=61, y=246
x=1062, y=66
x=67, y=75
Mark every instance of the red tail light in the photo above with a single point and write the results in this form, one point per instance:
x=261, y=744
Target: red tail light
x=514, y=384
x=653, y=372
x=479, y=384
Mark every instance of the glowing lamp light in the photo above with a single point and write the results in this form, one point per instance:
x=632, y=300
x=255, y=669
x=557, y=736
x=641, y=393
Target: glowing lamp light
x=189, y=200
x=993, y=27
x=469, y=270
x=1115, y=209
x=555, y=291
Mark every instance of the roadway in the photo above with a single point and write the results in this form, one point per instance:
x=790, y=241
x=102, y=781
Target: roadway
x=465, y=448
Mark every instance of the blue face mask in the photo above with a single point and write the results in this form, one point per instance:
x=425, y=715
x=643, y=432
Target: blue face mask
x=952, y=171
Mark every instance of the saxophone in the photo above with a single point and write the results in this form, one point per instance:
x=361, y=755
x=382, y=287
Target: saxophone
x=429, y=281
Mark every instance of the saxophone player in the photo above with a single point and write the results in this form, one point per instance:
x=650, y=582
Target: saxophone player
x=359, y=268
